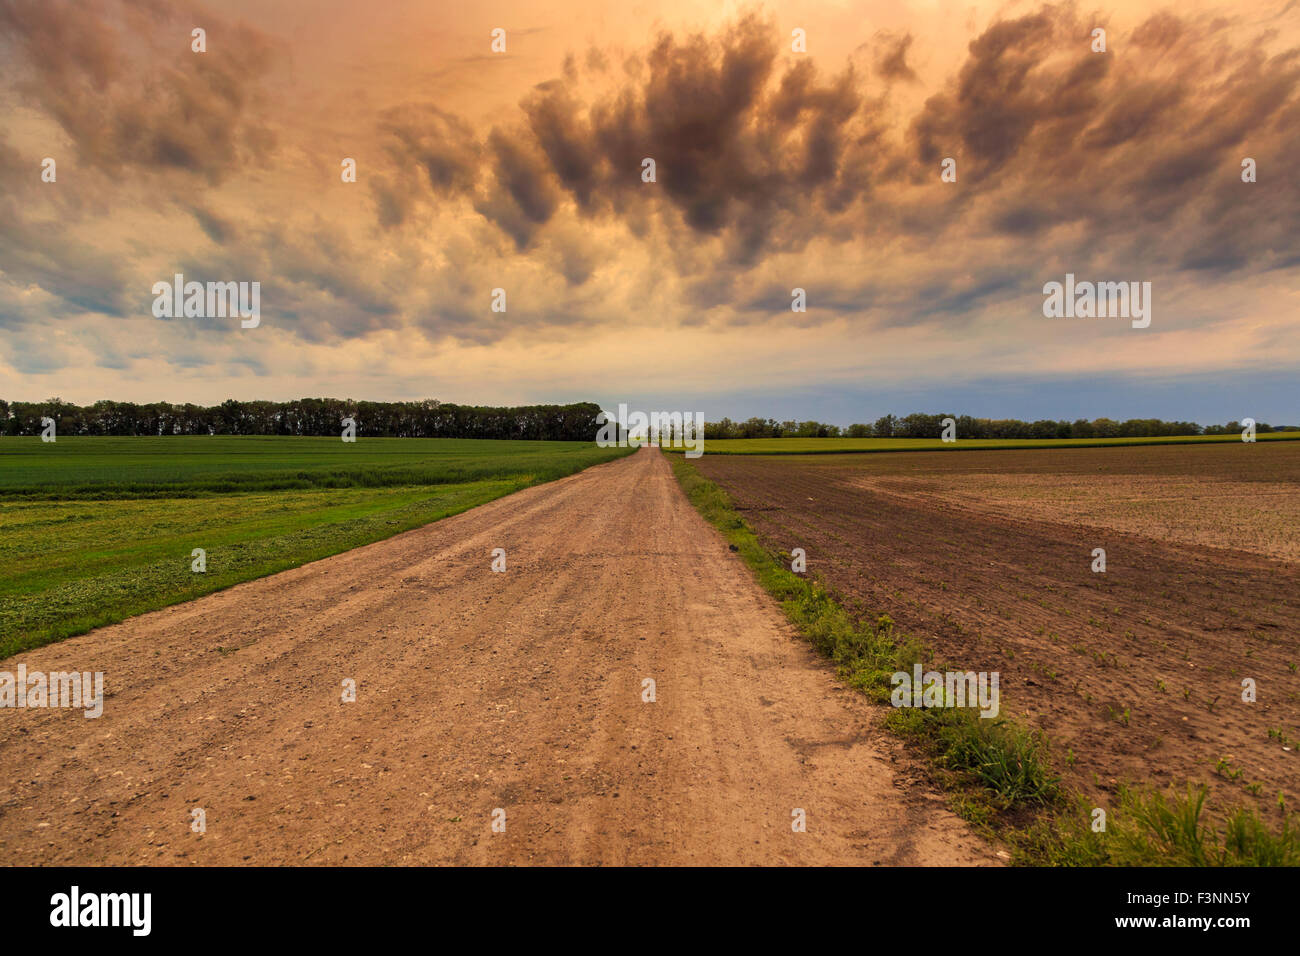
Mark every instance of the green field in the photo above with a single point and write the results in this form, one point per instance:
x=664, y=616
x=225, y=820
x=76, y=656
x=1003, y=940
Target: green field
x=840, y=446
x=93, y=530
x=187, y=465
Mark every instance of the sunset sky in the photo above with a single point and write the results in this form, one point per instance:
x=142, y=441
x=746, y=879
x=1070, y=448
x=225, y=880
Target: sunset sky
x=775, y=169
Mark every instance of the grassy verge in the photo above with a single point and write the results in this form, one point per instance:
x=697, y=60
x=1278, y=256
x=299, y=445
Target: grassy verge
x=999, y=775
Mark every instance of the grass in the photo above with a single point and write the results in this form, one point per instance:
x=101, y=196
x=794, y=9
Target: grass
x=840, y=446
x=111, y=530
x=192, y=465
x=998, y=773
x=1160, y=828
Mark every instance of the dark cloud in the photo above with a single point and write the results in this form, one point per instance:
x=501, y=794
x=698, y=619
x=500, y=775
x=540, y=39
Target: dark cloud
x=433, y=142
x=737, y=148
x=891, y=57
x=215, y=227
x=525, y=196
x=742, y=149
x=392, y=206
x=768, y=157
x=1133, y=144
x=121, y=80
x=1126, y=161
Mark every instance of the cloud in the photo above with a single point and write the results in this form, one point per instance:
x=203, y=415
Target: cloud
x=766, y=154
x=891, y=57
x=122, y=82
x=773, y=171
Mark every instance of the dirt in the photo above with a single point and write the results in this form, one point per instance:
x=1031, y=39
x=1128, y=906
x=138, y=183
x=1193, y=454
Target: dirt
x=987, y=557
x=475, y=691
x=1237, y=495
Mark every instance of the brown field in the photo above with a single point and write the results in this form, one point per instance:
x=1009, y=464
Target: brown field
x=1135, y=674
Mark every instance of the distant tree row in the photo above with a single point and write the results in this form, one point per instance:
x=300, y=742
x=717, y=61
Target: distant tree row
x=305, y=416
x=931, y=426
x=576, y=422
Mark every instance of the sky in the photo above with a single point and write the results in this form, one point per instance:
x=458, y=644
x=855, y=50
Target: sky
x=776, y=168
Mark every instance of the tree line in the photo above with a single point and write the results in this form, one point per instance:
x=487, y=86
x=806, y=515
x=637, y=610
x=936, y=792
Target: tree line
x=931, y=426
x=430, y=418
x=306, y=416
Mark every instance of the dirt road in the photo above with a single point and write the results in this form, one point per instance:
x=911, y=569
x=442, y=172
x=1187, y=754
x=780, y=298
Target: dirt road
x=475, y=690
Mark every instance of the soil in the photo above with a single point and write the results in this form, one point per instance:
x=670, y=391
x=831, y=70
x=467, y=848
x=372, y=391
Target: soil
x=987, y=556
